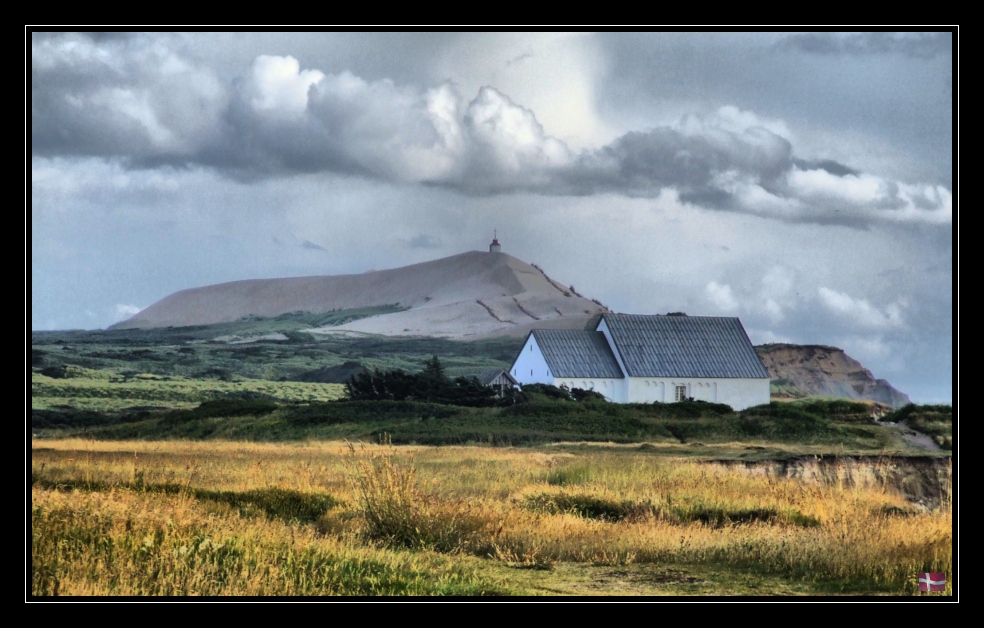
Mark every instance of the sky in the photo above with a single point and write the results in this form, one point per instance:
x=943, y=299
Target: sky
x=800, y=181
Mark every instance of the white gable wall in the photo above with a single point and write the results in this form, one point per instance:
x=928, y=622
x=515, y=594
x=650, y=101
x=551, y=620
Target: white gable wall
x=530, y=367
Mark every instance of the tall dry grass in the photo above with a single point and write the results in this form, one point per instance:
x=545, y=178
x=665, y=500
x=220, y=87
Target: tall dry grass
x=533, y=507
x=132, y=543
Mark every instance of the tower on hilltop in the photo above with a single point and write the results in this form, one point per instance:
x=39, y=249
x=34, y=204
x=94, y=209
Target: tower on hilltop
x=495, y=247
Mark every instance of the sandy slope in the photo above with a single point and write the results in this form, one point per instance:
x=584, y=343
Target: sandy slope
x=469, y=295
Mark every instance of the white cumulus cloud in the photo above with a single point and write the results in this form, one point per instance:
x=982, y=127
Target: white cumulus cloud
x=721, y=296
x=860, y=311
x=281, y=85
x=124, y=311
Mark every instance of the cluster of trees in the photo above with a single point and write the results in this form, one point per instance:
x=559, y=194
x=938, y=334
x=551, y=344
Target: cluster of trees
x=434, y=386
x=430, y=384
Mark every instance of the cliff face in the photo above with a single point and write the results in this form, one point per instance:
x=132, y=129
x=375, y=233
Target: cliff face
x=825, y=371
x=925, y=482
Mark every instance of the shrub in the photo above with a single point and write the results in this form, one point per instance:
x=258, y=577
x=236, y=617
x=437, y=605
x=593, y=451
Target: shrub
x=912, y=411
x=690, y=409
x=532, y=391
x=396, y=513
x=580, y=394
x=783, y=420
x=837, y=409
x=55, y=372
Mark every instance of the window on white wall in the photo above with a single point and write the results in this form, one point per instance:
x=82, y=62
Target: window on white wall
x=681, y=393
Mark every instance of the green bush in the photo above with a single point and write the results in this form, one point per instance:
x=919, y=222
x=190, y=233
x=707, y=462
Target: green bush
x=55, y=372
x=942, y=413
x=546, y=391
x=579, y=394
x=690, y=409
x=783, y=420
x=838, y=409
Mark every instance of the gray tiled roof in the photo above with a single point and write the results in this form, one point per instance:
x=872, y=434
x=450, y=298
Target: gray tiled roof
x=577, y=353
x=488, y=376
x=684, y=346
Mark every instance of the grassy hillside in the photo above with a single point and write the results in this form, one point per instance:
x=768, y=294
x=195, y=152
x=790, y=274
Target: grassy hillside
x=105, y=405
x=935, y=420
x=122, y=384
x=194, y=352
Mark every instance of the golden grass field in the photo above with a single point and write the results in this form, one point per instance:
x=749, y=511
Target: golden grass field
x=329, y=518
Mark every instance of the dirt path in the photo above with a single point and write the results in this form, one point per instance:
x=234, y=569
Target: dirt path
x=912, y=437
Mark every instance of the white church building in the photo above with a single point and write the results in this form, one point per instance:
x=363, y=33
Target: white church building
x=632, y=358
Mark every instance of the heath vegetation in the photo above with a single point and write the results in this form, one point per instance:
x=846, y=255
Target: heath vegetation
x=321, y=518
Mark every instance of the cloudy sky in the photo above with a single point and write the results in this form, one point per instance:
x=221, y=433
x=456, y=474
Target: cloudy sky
x=800, y=181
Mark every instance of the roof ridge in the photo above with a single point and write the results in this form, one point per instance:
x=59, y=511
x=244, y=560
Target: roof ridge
x=677, y=316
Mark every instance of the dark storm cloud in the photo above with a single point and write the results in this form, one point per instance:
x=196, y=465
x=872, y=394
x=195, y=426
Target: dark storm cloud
x=101, y=36
x=638, y=162
x=829, y=165
x=921, y=45
x=711, y=198
x=344, y=124
x=902, y=102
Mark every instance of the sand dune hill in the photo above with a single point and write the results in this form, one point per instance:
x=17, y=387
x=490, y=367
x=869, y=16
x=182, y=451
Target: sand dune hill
x=470, y=295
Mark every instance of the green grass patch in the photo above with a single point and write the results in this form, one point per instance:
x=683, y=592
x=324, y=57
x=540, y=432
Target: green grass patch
x=192, y=352
x=406, y=422
x=276, y=503
x=586, y=505
x=567, y=476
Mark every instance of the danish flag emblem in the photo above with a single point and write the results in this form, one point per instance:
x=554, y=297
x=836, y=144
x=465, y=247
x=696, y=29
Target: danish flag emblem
x=932, y=582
